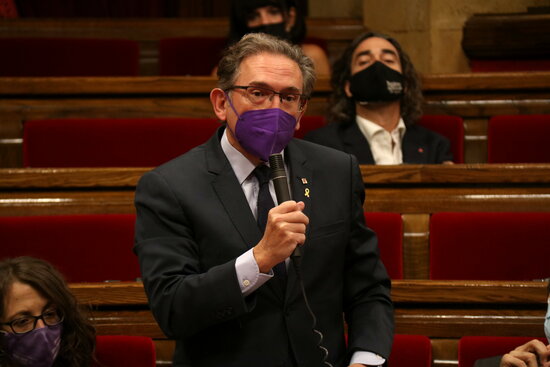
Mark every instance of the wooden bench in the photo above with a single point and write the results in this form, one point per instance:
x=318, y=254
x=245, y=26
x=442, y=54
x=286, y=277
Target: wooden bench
x=414, y=191
x=474, y=97
x=442, y=310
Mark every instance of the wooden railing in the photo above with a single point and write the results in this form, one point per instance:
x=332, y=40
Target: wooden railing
x=442, y=310
x=474, y=97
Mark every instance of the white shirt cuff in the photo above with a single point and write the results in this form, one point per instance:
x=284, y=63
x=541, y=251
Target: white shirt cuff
x=248, y=273
x=367, y=358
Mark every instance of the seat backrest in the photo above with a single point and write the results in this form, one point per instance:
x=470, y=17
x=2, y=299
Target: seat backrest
x=410, y=351
x=190, y=55
x=85, y=248
x=472, y=348
x=111, y=142
x=489, y=246
x=518, y=139
x=451, y=127
x=68, y=57
x=308, y=123
x=389, y=230
x=124, y=351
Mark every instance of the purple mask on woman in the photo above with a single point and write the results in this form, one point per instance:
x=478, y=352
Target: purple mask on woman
x=264, y=132
x=37, y=348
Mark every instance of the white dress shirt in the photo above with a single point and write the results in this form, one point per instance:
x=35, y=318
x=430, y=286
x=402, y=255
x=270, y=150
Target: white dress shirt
x=385, y=146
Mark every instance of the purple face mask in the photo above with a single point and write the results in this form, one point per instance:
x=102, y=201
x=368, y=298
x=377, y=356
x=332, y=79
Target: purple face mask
x=264, y=132
x=37, y=348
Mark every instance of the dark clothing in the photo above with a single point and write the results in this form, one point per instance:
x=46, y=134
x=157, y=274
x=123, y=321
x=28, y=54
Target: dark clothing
x=488, y=362
x=193, y=221
x=419, y=145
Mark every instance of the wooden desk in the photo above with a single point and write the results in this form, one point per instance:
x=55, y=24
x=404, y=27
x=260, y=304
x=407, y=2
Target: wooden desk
x=474, y=97
x=442, y=310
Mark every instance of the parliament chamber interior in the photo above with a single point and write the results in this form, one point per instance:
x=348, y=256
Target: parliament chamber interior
x=88, y=104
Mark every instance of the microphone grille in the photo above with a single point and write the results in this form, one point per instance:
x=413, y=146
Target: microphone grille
x=276, y=162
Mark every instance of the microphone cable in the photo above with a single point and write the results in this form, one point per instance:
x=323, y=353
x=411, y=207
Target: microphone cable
x=280, y=183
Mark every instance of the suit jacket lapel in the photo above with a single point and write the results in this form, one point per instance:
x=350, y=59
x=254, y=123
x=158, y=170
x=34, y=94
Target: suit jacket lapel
x=230, y=193
x=413, y=152
x=301, y=182
x=355, y=143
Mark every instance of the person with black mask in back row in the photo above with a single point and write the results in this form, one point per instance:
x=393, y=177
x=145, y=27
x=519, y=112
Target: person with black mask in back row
x=280, y=18
x=375, y=103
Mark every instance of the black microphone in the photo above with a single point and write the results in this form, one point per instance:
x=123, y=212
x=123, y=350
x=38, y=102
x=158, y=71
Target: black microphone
x=278, y=175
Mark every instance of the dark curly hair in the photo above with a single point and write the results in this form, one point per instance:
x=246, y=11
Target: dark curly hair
x=342, y=107
x=78, y=338
x=240, y=9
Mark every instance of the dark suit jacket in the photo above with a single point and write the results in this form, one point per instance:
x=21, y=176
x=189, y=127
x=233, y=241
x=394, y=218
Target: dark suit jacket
x=488, y=362
x=193, y=221
x=419, y=146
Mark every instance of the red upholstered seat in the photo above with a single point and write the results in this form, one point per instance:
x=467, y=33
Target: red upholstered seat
x=389, y=230
x=451, y=127
x=489, y=246
x=308, y=123
x=124, y=351
x=85, y=248
x=509, y=65
x=518, y=139
x=190, y=55
x=472, y=348
x=410, y=351
x=68, y=57
x=111, y=142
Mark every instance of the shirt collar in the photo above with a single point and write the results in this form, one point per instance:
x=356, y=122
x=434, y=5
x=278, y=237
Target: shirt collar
x=370, y=129
x=240, y=164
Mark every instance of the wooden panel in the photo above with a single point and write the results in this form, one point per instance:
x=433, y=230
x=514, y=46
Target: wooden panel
x=507, y=36
x=440, y=309
x=416, y=250
x=475, y=97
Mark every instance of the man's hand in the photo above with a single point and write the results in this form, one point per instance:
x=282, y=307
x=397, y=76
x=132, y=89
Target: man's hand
x=285, y=229
x=530, y=354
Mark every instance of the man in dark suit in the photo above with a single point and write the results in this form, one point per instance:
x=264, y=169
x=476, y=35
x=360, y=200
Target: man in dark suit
x=375, y=103
x=220, y=284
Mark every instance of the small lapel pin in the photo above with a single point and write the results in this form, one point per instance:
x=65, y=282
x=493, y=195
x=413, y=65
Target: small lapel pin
x=304, y=181
x=420, y=150
x=306, y=192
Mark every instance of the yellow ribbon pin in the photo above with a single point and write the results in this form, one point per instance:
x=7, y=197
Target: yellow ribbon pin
x=306, y=192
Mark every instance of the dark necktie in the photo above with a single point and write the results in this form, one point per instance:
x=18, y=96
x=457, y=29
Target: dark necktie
x=265, y=203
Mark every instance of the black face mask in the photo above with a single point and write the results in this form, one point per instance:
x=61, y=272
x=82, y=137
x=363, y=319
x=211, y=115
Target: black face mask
x=276, y=29
x=377, y=83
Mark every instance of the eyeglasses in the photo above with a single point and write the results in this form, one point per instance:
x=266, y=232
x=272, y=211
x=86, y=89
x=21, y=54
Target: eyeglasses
x=25, y=324
x=259, y=95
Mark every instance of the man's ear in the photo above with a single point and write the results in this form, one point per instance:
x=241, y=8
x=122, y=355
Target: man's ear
x=347, y=90
x=291, y=20
x=301, y=111
x=218, y=98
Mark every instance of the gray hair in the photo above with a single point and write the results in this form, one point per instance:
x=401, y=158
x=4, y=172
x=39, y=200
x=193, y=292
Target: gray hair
x=255, y=43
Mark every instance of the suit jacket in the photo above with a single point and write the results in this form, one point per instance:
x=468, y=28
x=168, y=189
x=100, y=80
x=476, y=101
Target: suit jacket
x=419, y=146
x=193, y=221
x=488, y=362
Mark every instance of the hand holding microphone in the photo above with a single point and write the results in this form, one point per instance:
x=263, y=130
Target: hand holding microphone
x=280, y=183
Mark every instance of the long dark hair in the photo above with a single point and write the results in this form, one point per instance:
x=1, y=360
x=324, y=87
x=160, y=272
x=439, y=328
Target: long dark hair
x=78, y=338
x=342, y=107
x=240, y=9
